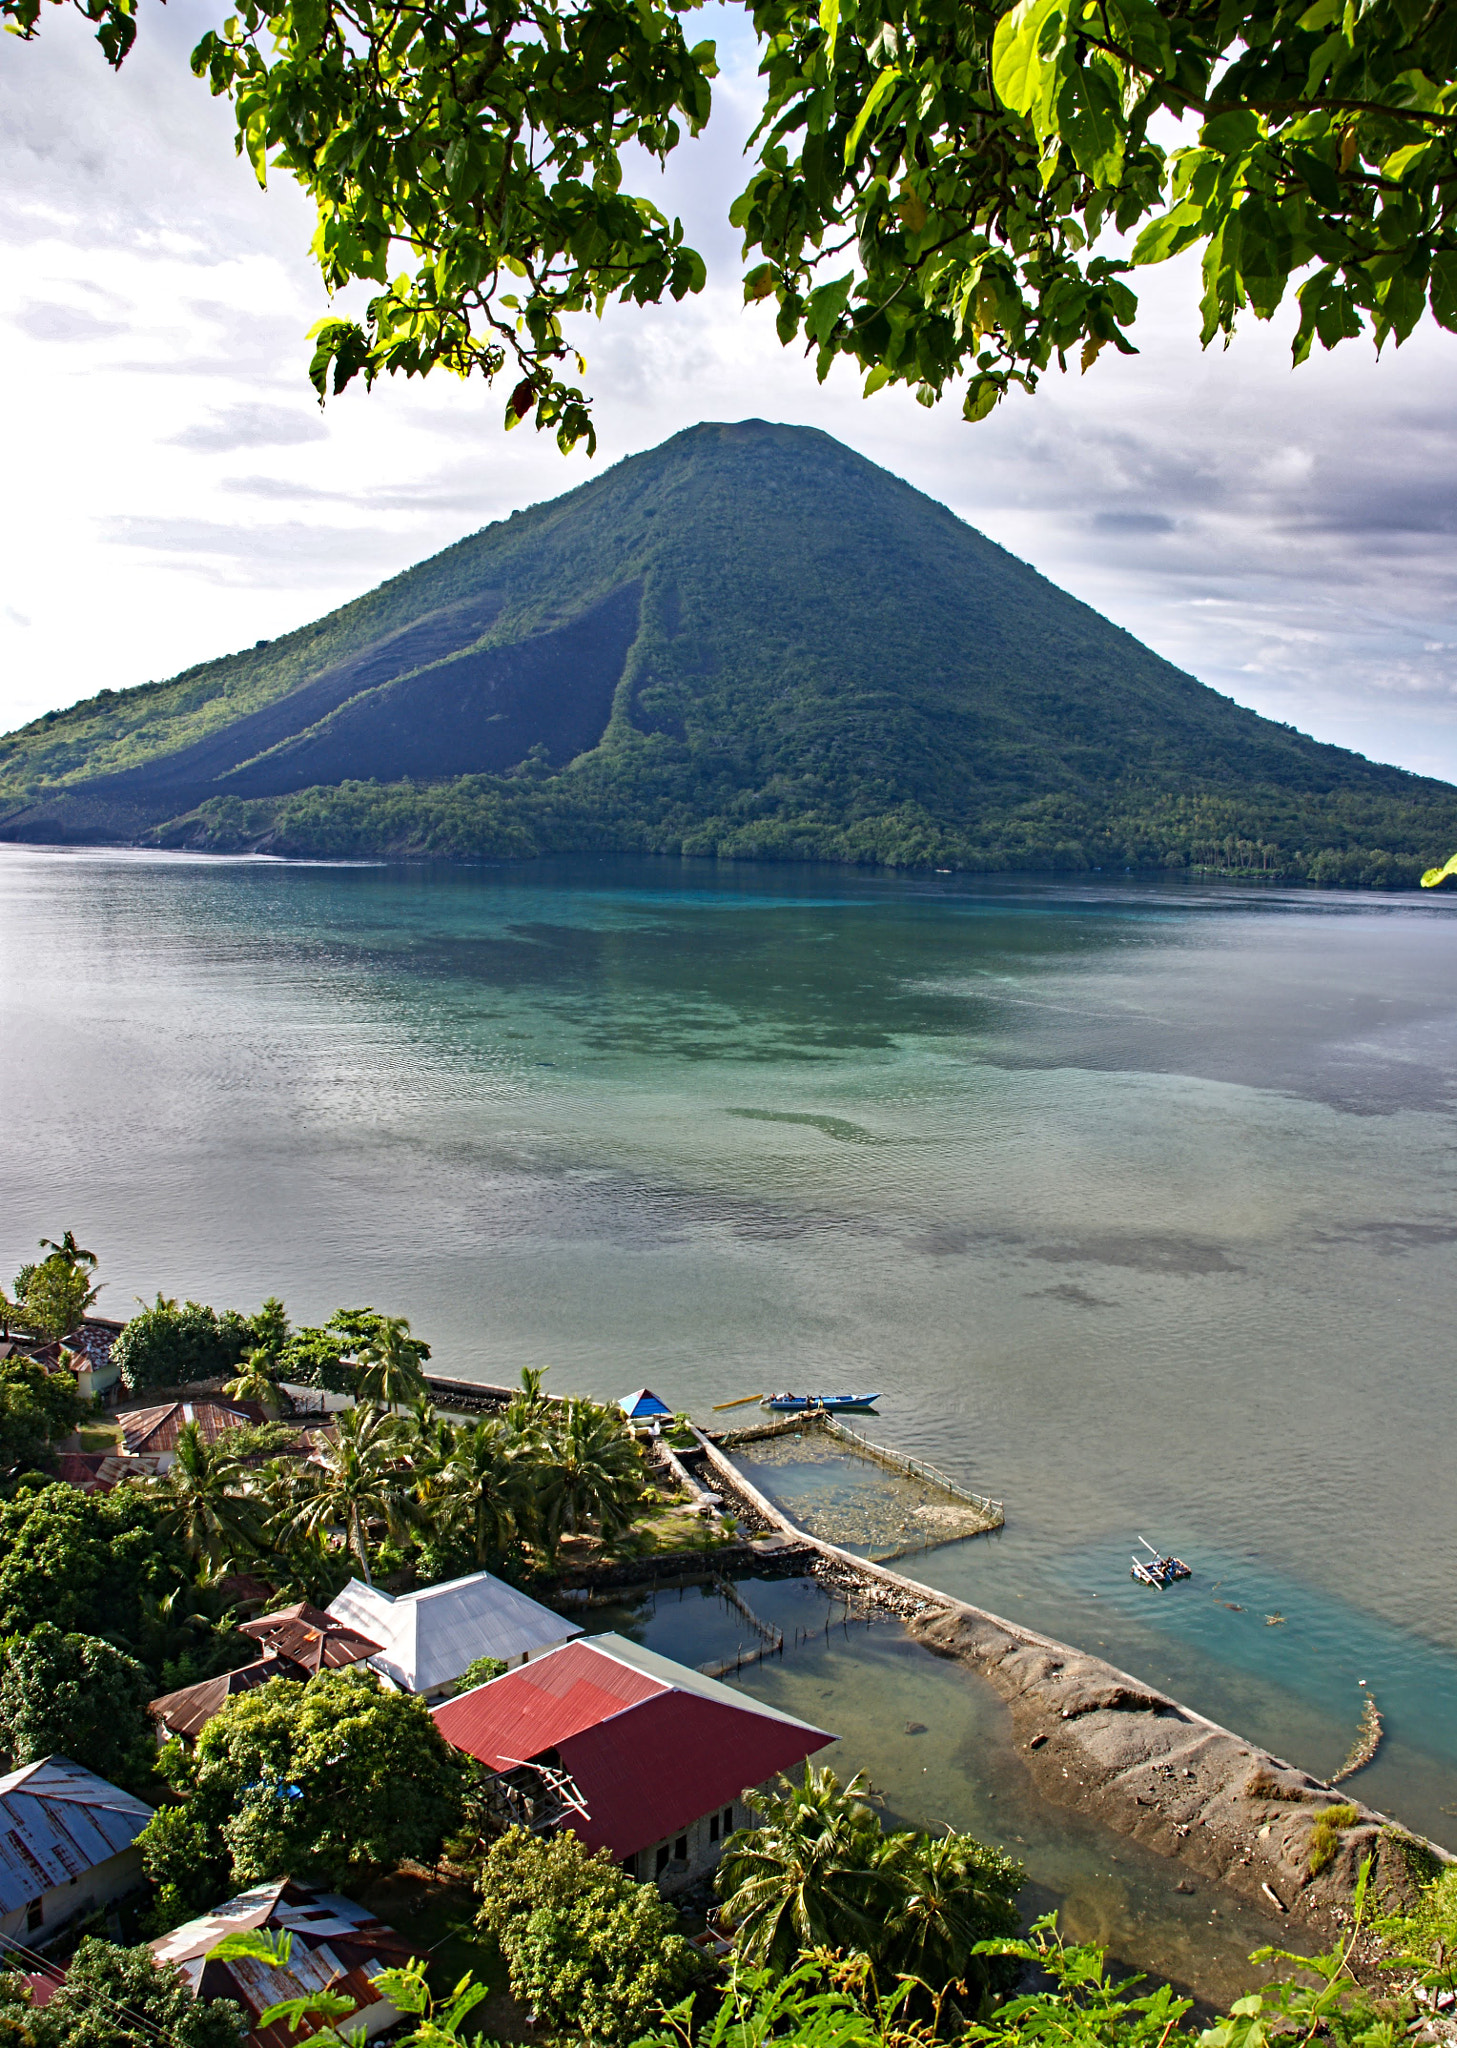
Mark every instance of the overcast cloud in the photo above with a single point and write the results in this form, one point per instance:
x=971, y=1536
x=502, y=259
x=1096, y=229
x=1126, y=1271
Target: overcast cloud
x=172, y=491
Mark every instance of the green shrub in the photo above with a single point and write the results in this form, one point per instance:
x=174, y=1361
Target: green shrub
x=480, y=1672
x=1325, y=1836
x=186, y=1869
x=591, y=1951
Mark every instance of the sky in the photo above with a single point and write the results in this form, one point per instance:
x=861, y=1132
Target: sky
x=172, y=490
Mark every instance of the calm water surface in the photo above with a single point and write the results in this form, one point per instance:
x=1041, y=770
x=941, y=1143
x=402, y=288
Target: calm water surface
x=1137, y=1199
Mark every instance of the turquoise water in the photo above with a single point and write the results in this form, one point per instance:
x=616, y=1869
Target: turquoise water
x=1137, y=1198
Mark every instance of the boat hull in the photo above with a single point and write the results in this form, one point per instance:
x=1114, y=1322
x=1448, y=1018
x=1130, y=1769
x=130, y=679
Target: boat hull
x=798, y=1404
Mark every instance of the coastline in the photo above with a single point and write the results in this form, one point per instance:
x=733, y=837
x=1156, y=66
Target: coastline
x=1099, y=1741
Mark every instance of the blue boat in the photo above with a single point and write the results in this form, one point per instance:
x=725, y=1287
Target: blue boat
x=796, y=1404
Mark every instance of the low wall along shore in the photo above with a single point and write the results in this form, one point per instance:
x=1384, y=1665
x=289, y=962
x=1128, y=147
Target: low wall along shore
x=1102, y=1742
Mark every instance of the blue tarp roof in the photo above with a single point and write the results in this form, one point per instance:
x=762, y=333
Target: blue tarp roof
x=642, y=1405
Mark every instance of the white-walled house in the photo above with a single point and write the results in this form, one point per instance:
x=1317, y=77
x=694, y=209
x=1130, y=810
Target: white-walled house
x=67, y=1847
x=431, y=1636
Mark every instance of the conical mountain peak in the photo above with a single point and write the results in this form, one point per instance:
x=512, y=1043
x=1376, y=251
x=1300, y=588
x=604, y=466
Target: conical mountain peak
x=748, y=640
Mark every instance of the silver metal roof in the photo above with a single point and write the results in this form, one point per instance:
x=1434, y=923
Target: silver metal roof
x=429, y=1637
x=57, y=1821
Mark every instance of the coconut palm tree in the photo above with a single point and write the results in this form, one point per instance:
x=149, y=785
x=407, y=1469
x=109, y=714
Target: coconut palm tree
x=808, y=1875
x=208, y=1502
x=529, y=1407
x=484, y=1489
x=254, y=1381
x=389, y=1361
x=949, y=1892
x=70, y=1251
x=356, y=1479
x=589, y=1470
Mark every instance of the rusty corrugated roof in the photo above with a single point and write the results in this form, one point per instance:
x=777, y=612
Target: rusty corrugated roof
x=337, y=1945
x=310, y=1637
x=157, y=1429
x=187, y=1712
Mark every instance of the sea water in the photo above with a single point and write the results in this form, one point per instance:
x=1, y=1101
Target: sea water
x=1135, y=1198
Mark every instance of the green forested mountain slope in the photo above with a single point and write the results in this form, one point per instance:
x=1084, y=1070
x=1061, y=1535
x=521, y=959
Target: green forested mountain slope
x=748, y=641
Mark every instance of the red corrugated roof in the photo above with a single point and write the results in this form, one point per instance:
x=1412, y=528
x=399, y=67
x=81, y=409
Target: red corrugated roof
x=650, y=1771
x=539, y=1706
x=648, y=1757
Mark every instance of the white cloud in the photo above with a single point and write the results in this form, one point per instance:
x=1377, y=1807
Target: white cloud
x=172, y=492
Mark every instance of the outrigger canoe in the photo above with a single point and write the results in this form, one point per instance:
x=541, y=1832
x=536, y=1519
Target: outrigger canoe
x=1158, y=1570
x=796, y=1403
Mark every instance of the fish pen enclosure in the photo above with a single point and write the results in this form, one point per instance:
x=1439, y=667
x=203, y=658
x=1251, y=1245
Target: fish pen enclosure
x=814, y=1467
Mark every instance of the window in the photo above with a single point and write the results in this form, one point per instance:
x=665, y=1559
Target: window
x=629, y=1864
x=35, y=1912
x=680, y=1849
x=713, y=1827
x=662, y=1862
x=728, y=1820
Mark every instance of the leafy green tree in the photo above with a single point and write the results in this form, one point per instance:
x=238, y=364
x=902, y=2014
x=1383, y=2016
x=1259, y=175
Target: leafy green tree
x=329, y=1781
x=935, y=194
x=187, y=1869
x=390, y=1360
x=589, y=1949
x=332, y=1355
x=168, y=1346
x=319, y=1357
x=810, y=1874
x=207, y=1502
x=76, y=1696
x=819, y=1872
x=37, y=1407
x=53, y=1297
x=270, y=1328
x=117, y=1998
x=588, y=1471
x=86, y=1561
x=356, y=1480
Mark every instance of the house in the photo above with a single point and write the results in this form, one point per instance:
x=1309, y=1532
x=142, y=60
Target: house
x=99, y=1471
x=634, y=1753
x=88, y=1355
x=309, y=1637
x=188, y=1711
x=429, y=1637
x=66, y=1847
x=153, y=1432
x=335, y=1944
x=85, y=1354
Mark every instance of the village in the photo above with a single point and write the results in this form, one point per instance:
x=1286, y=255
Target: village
x=309, y=1732
x=327, y=1553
